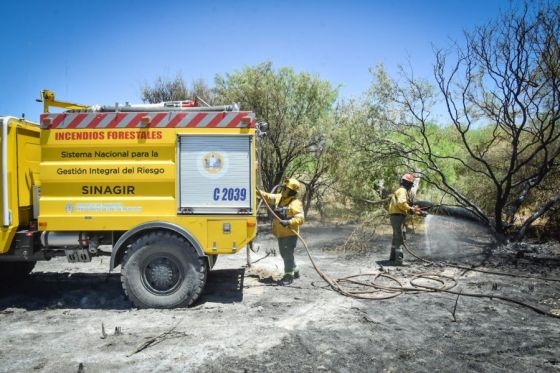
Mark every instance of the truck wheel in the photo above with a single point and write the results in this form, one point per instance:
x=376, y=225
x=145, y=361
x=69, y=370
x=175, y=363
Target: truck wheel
x=162, y=270
x=15, y=270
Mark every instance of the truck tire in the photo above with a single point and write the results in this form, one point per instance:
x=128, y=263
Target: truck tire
x=15, y=270
x=162, y=270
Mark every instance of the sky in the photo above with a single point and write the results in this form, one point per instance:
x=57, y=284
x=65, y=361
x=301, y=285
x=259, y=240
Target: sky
x=102, y=52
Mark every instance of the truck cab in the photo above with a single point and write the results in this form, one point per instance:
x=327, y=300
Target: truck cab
x=20, y=156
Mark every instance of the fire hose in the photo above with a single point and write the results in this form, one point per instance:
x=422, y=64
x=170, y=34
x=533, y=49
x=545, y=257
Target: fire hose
x=372, y=290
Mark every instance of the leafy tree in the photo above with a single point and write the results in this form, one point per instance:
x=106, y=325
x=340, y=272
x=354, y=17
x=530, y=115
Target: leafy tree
x=312, y=168
x=354, y=141
x=296, y=107
x=502, y=96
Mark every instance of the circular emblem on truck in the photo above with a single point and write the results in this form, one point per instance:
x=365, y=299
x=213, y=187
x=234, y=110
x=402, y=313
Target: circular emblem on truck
x=212, y=164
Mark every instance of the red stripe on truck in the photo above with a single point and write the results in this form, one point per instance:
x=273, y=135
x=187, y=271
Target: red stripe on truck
x=77, y=120
x=58, y=119
x=118, y=118
x=96, y=120
x=134, y=122
x=196, y=119
x=166, y=119
x=217, y=119
x=158, y=118
x=176, y=119
x=236, y=120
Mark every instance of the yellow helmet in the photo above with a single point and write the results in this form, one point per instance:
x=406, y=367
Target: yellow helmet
x=292, y=184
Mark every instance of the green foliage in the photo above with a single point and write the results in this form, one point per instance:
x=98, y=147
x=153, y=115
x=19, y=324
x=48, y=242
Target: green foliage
x=296, y=107
x=356, y=175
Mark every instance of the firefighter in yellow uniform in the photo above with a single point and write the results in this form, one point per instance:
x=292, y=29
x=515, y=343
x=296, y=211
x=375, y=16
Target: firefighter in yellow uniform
x=399, y=207
x=290, y=211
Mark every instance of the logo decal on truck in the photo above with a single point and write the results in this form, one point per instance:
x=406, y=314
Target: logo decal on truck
x=212, y=165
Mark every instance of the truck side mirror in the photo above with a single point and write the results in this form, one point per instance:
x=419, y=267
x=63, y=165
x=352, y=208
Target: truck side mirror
x=262, y=127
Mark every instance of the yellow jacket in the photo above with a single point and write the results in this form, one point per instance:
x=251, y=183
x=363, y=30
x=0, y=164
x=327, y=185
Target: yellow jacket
x=295, y=214
x=400, y=202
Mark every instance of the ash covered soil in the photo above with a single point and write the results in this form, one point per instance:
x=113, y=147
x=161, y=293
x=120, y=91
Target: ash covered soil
x=54, y=321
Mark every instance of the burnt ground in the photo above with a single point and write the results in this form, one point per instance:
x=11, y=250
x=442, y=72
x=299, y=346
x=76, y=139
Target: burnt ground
x=54, y=320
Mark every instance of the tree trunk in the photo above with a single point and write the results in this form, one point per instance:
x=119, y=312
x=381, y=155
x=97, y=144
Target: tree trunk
x=539, y=213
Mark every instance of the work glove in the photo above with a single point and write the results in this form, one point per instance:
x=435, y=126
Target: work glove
x=285, y=223
x=282, y=212
x=418, y=211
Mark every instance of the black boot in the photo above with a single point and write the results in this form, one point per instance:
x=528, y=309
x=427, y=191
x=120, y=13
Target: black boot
x=399, y=259
x=286, y=280
x=393, y=254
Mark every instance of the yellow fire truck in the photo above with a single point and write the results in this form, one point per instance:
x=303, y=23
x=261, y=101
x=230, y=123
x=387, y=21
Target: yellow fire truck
x=161, y=188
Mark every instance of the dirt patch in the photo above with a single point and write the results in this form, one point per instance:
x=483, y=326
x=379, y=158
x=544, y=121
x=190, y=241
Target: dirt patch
x=245, y=322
